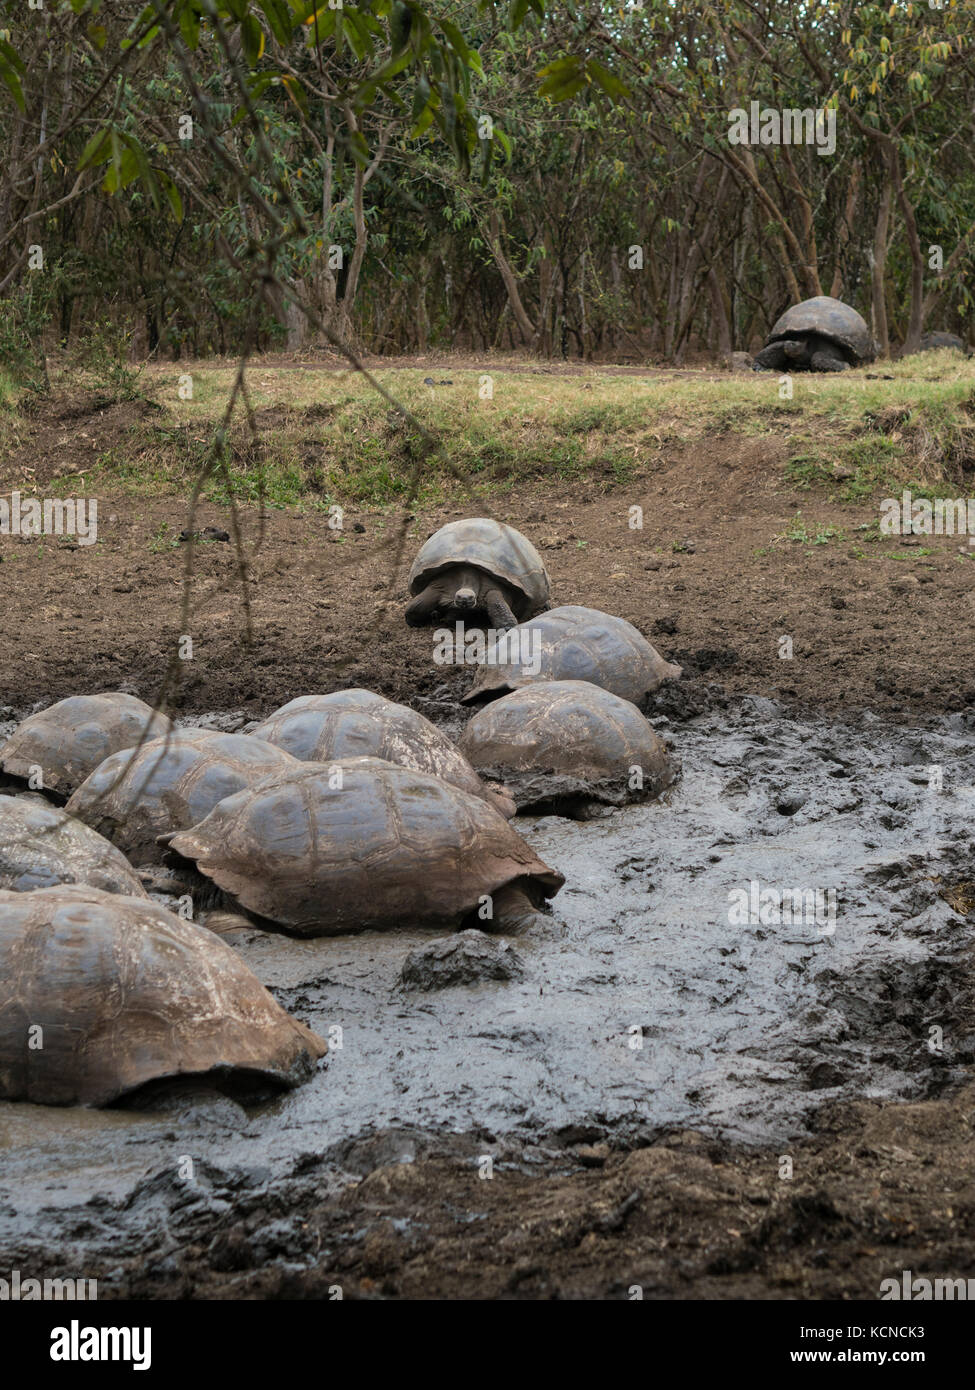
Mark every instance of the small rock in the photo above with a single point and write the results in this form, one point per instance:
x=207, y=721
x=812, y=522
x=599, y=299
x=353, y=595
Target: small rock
x=465, y=959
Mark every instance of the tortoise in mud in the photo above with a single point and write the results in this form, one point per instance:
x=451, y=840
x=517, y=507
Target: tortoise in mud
x=477, y=568
x=572, y=643
x=359, y=723
x=363, y=843
x=41, y=846
x=125, y=993
x=169, y=784
x=818, y=335
x=57, y=748
x=568, y=748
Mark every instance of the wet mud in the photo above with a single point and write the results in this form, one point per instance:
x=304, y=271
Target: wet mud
x=664, y=1009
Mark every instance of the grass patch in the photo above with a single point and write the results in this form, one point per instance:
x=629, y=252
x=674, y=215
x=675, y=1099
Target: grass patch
x=327, y=438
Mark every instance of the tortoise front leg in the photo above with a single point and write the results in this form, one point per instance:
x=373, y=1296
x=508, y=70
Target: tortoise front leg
x=829, y=360
x=770, y=359
x=421, y=609
x=496, y=607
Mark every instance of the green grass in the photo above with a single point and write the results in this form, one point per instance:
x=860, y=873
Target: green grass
x=326, y=438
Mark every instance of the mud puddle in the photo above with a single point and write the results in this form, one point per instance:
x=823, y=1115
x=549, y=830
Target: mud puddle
x=649, y=1001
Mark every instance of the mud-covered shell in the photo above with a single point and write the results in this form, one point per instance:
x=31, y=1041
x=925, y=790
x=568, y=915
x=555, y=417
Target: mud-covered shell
x=360, y=843
x=562, y=741
x=492, y=546
x=124, y=993
x=575, y=644
x=68, y=740
x=831, y=319
x=171, y=783
x=361, y=724
x=42, y=846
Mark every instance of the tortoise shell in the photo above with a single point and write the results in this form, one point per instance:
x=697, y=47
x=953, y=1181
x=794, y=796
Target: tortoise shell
x=577, y=644
x=832, y=319
x=359, y=723
x=934, y=342
x=170, y=783
x=492, y=546
x=124, y=993
x=360, y=843
x=42, y=846
x=68, y=740
x=561, y=742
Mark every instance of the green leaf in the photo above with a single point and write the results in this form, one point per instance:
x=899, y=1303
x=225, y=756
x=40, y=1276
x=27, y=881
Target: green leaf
x=97, y=150
x=606, y=79
x=424, y=122
x=10, y=54
x=400, y=25
x=189, y=27
x=562, y=79
x=322, y=23
x=276, y=13
x=252, y=37
x=10, y=80
x=456, y=39
x=297, y=93
x=172, y=195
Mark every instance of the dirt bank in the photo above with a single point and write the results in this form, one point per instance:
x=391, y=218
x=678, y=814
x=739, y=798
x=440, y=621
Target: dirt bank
x=880, y=627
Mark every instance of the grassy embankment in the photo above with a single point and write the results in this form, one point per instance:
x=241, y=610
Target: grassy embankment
x=325, y=437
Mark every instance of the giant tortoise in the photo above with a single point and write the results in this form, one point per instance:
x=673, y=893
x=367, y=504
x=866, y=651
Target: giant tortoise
x=818, y=335
x=938, y=341
x=59, y=746
x=102, y=994
x=477, y=566
x=169, y=784
x=565, y=747
x=577, y=644
x=363, y=843
x=359, y=723
x=42, y=846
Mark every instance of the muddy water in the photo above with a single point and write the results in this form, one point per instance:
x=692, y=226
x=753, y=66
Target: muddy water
x=642, y=1004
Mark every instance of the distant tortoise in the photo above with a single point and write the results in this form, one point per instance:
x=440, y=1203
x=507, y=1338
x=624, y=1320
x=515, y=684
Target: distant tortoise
x=818, y=335
x=934, y=342
x=359, y=723
x=67, y=741
x=42, y=846
x=102, y=994
x=362, y=843
x=170, y=783
x=478, y=566
x=575, y=644
x=564, y=747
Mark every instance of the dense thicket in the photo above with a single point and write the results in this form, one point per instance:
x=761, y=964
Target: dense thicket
x=216, y=173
